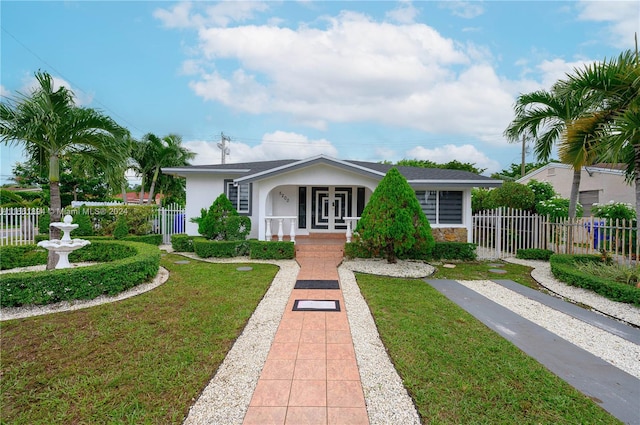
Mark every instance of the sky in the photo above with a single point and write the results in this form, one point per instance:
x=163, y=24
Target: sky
x=363, y=80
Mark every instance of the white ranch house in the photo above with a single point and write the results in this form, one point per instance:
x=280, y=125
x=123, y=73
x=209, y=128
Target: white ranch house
x=325, y=195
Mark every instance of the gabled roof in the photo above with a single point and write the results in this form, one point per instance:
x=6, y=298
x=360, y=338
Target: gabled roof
x=255, y=171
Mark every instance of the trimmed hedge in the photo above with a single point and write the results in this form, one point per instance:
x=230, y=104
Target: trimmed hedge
x=151, y=239
x=563, y=268
x=218, y=249
x=271, y=250
x=182, y=242
x=534, y=254
x=14, y=256
x=441, y=251
x=454, y=251
x=25, y=288
x=356, y=250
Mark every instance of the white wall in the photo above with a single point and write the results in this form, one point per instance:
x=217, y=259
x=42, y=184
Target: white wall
x=610, y=184
x=202, y=190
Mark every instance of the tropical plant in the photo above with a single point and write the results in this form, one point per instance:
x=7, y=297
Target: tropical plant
x=393, y=224
x=545, y=116
x=153, y=153
x=222, y=222
x=510, y=195
x=47, y=121
x=541, y=190
x=556, y=208
x=614, y=211
x=613, y=87
x=451, y=165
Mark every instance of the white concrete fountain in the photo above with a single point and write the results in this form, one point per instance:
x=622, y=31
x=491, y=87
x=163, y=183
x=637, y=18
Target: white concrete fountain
x=64, y=246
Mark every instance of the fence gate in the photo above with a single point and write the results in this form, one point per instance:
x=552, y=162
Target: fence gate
x=169, y=221
x=499, y=233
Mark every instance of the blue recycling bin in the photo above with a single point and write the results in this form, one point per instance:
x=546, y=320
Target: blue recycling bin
x=598, y=232
x=178, y=223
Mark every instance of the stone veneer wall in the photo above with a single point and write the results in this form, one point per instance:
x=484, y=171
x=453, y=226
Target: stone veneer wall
x=449, y=234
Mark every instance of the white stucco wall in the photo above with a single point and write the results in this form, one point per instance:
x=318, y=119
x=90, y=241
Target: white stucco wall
x=610, y=184
x=202, y=190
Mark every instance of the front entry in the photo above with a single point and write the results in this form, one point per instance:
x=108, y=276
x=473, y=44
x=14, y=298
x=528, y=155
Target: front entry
x=328, y=207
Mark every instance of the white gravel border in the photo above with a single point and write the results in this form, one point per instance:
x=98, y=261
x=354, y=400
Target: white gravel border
x=542, y=274
x=387, y=400
x=10, y=313
x=611, y=348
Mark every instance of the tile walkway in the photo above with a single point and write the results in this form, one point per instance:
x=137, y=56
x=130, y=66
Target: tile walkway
x=311, y=375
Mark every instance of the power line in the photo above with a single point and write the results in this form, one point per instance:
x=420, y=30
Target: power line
x=69, y=80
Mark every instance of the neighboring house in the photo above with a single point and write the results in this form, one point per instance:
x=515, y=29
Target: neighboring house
x=323, y=194
x=599, y=183
x=134, y=198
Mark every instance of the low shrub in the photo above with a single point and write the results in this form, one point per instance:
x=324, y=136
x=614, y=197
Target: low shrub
x=41, y=237
x=218, y=249
x=454, y=251
x=182, y=242
x=111, y=278
x=13, y=256
x=148, y=239
x=534, y=254
x=564, y=267
x=356, y=250
x=271, y=250
x=121, y=229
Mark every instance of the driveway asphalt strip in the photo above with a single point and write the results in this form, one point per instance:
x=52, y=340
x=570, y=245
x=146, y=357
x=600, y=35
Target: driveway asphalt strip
x=613, y=389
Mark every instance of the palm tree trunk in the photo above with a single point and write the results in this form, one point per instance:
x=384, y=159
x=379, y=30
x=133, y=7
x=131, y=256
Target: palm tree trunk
x=55, y=213
x=153, y=184
x=142, y=190
x=124, y=194
x=573, y=205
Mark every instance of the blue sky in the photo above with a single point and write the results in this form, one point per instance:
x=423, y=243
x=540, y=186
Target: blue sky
x=366, y=80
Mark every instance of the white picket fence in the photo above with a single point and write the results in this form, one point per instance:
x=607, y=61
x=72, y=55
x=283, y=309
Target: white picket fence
x=500, y=233
x=169, y=221
x=18, y=226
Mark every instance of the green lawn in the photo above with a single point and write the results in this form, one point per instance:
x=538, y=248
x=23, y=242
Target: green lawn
x=141, y=360
x=479, y=270
x=146, y=359
x=458, y=371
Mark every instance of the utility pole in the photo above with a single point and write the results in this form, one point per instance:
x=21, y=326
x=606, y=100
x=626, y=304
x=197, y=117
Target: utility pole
x=524, y=149
x=223, y=146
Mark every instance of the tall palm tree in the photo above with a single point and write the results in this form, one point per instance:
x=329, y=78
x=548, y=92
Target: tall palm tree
x=613, y=87
x=155, y=153
x=545, y=116
x=49, y=121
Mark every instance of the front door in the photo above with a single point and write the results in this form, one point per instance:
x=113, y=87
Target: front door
x=329, y=206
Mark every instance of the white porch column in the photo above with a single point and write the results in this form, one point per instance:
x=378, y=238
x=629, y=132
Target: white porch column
x=267, y=233
x=292, y=231
x=280, y=232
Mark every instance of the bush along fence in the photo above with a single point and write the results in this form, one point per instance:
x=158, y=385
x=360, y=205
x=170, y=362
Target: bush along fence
x=24, y=226
x=503, y=232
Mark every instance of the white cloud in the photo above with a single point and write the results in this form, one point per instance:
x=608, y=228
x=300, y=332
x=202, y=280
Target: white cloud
x=183, y=15
x=355, y=70
x=464, y=9
x=276, y=145
x=464, y=153
x=405, y=13
x=622, y=18
x=4, y=92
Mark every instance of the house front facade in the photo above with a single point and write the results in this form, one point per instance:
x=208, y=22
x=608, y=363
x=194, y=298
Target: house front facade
x=325, y=195
x=600, y=183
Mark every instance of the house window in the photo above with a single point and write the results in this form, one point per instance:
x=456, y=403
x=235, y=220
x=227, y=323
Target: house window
x=239, y=195
x=441, y=206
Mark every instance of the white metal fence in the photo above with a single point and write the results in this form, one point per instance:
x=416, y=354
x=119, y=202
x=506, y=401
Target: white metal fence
x=169, y=221
x=18, y=226
x=502, y=232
